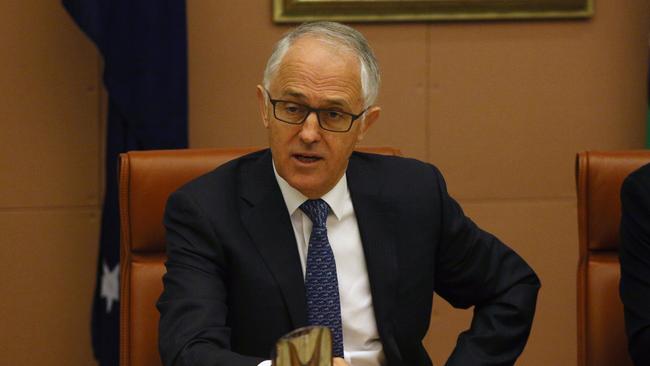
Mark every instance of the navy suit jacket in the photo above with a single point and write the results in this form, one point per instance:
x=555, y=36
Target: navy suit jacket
x=234, y=282
x=635, y=263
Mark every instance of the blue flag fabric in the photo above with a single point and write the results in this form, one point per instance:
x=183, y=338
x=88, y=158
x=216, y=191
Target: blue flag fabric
x=144, y=47
x=647, y=133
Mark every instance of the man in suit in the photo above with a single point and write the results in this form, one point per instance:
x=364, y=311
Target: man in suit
x=635, y=262
x=310, y=232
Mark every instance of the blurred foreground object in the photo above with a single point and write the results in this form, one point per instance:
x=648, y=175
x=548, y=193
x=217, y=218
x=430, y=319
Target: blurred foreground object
x=308, y=346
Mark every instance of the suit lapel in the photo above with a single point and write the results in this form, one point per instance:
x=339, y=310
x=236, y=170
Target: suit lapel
x=267, y=221
x=377, y=227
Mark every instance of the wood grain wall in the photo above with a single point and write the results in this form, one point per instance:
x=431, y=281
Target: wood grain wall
x=500, y=107
x=50, y=163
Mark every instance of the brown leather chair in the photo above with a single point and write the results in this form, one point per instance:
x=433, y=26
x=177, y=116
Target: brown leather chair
x=601, y=331
x=147, y=178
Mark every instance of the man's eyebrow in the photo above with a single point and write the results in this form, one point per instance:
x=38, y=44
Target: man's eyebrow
x=295, y=94
x=334, y=102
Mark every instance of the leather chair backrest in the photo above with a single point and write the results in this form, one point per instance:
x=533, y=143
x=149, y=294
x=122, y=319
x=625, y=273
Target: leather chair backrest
x=601, y=331
x=147, y=178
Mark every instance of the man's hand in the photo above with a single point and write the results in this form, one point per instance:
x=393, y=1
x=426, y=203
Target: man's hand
x=339, y=362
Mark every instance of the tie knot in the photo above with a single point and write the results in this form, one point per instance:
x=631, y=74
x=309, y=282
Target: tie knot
x=316, y=210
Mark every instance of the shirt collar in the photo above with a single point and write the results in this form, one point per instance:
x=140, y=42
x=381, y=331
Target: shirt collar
x=335, y=198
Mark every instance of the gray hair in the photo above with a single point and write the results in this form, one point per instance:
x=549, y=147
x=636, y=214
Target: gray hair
x=339, y=35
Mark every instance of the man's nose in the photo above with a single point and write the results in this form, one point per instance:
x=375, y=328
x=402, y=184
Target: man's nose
x=310, y=130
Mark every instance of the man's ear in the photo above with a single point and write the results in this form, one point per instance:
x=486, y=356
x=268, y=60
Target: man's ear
x=263, y=105
x=371, y=115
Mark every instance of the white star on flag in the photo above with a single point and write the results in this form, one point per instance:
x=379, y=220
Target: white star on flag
x=110, y=286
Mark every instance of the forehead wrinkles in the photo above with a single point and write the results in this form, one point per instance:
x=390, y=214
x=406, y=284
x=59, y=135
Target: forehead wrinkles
x=338, y=80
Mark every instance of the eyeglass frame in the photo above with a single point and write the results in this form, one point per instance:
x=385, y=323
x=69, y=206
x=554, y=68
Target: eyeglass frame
x=315, y=110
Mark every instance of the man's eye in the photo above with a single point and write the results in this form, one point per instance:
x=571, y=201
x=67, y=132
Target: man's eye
x=334, y=115
x=292, y=108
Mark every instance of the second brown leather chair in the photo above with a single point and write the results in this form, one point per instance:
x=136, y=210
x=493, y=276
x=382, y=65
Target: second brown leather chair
x=601, y=331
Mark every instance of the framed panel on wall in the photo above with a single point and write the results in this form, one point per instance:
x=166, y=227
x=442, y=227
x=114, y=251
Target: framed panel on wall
x=290, y=11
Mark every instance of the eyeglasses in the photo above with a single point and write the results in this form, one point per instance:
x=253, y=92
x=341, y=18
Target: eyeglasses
x=296, y=113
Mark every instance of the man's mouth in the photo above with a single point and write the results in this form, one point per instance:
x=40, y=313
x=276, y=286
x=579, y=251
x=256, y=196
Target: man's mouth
x=307, y=158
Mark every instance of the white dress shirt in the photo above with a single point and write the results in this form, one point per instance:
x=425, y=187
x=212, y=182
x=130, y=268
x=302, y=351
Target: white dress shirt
x=361, y=343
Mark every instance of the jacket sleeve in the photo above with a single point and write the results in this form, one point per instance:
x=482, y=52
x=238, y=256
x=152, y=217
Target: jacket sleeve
x=193, y=305
x=475, y=269
x=635, y=264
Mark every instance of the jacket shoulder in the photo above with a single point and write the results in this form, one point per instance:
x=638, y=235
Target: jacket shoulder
x=395, y=176
x=638, y=178
x=395, y=165
x=223, y=180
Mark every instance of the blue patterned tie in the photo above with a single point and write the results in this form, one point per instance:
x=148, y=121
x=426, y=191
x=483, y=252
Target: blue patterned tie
x=321, y=283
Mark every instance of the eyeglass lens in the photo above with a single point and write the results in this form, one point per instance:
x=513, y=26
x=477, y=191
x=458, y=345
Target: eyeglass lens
x=297, y=113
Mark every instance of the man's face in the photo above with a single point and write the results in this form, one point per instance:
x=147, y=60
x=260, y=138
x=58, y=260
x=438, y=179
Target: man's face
x=319, y=75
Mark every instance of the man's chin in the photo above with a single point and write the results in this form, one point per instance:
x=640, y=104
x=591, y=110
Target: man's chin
x=308, y=187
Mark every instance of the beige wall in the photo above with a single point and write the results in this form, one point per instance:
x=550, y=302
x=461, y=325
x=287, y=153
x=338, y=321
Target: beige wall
x=500, y=107
x=50, y=154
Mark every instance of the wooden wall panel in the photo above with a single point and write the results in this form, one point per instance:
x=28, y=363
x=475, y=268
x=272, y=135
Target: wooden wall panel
x=522, y=98
x=50, y=185
x=49, y=93
x=48, y=274
x=229, y=42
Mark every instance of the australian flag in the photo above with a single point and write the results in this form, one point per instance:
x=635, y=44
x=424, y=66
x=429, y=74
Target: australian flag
x=144, y=47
